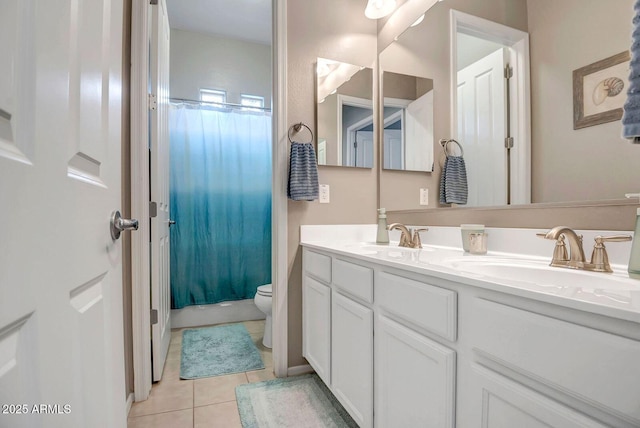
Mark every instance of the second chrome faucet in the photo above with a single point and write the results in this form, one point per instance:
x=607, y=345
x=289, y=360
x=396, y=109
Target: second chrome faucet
x=408, y=238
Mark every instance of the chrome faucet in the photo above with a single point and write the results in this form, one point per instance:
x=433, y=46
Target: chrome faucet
x=408, y=238
x=575, y=259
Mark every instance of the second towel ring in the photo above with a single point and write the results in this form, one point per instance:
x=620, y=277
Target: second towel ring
x=445, y=144
x=296, y=128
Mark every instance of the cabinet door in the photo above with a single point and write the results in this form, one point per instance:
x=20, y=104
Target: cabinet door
x=501, y=403
x=415, y=378
x=316, y=325
x=352, y=358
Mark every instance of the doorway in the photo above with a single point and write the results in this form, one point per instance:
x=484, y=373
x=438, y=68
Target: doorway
x=141, y=315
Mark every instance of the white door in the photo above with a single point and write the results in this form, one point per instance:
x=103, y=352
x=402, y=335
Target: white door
x=159, y=132
x=393, y=156
x=482, y=129
x=364, y=149
x=61, y=332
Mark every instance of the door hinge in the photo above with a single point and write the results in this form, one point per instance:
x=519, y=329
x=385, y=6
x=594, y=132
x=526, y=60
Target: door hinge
x=508, y=72
x=508, y=142
x=153, y=104
x=154, y=316
x=153, y=209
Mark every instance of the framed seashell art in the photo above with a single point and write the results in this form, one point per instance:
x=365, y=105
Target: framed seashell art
x=599, y=91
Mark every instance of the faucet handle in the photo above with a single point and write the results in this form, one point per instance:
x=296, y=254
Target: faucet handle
x=416, y=237
x=560, y=253
x=599, y=257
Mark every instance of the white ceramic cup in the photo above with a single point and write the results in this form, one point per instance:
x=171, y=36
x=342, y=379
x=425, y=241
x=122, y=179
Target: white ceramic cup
x=465, y=230
x=478, y=243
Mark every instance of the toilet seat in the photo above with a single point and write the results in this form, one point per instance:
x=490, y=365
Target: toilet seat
x=265, y=290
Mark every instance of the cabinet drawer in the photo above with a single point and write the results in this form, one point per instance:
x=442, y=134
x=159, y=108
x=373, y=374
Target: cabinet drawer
x=426, y=306
x=588, y=365
x=354, y=279
x=317, y=265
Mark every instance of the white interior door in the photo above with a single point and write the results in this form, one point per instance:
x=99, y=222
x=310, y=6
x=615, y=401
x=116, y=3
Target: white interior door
x=159, y=132
x=61, y=333
x=364, y=149
x=393, y=157
x=482, y=129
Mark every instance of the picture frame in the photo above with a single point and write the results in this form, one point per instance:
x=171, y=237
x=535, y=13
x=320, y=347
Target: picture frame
x=599, y=91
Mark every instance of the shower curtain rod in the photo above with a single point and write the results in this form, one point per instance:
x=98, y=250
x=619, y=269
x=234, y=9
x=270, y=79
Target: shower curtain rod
x=188, y=101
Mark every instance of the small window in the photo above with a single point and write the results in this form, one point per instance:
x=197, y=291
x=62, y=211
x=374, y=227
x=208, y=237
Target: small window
x=252, y=102
x=213, y=96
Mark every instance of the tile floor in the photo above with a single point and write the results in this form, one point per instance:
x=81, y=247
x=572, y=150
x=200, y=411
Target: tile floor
x=206, y=402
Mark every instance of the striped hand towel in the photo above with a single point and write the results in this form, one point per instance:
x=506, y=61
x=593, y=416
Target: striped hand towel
x=453, y=181
x=631, y=115
x=303, y=173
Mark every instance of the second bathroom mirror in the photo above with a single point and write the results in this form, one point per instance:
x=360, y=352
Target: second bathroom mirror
x=344, y=114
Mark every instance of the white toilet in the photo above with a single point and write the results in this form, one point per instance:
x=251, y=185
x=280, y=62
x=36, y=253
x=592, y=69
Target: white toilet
x=262, y=300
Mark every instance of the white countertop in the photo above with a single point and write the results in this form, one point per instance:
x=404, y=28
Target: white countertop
x=615, y=295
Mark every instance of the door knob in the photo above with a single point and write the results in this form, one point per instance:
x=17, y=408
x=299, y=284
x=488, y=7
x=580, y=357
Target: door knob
x=171, y=222
x=118, y=224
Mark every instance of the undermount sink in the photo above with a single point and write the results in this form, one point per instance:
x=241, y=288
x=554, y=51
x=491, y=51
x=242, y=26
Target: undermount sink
x=541, y=274
x=392, y=249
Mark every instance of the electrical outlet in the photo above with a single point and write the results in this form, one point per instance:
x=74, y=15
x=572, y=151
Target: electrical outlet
x=424, y=196
x=324, y=194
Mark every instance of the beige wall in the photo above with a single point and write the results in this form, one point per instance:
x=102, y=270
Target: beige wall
x=206, y=61
x=338, y=30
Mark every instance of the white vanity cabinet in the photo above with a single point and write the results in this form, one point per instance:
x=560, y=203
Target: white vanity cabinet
x=407, y=346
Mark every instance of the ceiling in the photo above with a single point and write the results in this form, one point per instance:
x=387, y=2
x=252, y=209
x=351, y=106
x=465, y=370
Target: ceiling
x=248, y=20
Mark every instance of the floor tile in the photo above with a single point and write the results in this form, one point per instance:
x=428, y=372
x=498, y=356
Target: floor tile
x=165, y=396
x=260, y=375
x=256, y=326
x=177, y=419
x=218, y=389
x=218, y=415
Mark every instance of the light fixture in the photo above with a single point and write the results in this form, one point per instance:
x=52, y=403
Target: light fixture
x=379, y=8
x=418, y=21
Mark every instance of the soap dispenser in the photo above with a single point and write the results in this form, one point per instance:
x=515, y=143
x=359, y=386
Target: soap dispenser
x=634, y=259
x=383, y=233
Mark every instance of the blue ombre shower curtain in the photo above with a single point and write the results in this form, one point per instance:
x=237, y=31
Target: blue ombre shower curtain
x=220, y=198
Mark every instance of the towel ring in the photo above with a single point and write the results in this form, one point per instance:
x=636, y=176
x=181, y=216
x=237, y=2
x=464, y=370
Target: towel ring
x=296, y=128
x=445, y=145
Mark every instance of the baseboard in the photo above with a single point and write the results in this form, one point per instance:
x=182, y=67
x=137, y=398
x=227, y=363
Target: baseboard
x=129, y=403
x=299, y=370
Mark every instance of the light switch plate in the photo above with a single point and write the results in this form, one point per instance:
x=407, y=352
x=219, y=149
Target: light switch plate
x=424, y=196
x=324, y=194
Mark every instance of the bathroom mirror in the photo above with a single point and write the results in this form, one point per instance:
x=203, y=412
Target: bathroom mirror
x=566, y=164
x=344, y=114
x=407, y=142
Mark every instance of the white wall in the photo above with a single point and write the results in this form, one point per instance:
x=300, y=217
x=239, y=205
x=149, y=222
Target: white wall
x=205, y=61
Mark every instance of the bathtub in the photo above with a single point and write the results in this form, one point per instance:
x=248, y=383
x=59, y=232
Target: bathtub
x=218, y=313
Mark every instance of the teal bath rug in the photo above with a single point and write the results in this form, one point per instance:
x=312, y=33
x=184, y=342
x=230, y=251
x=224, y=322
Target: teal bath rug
x=215, y=351
x=293, y=402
